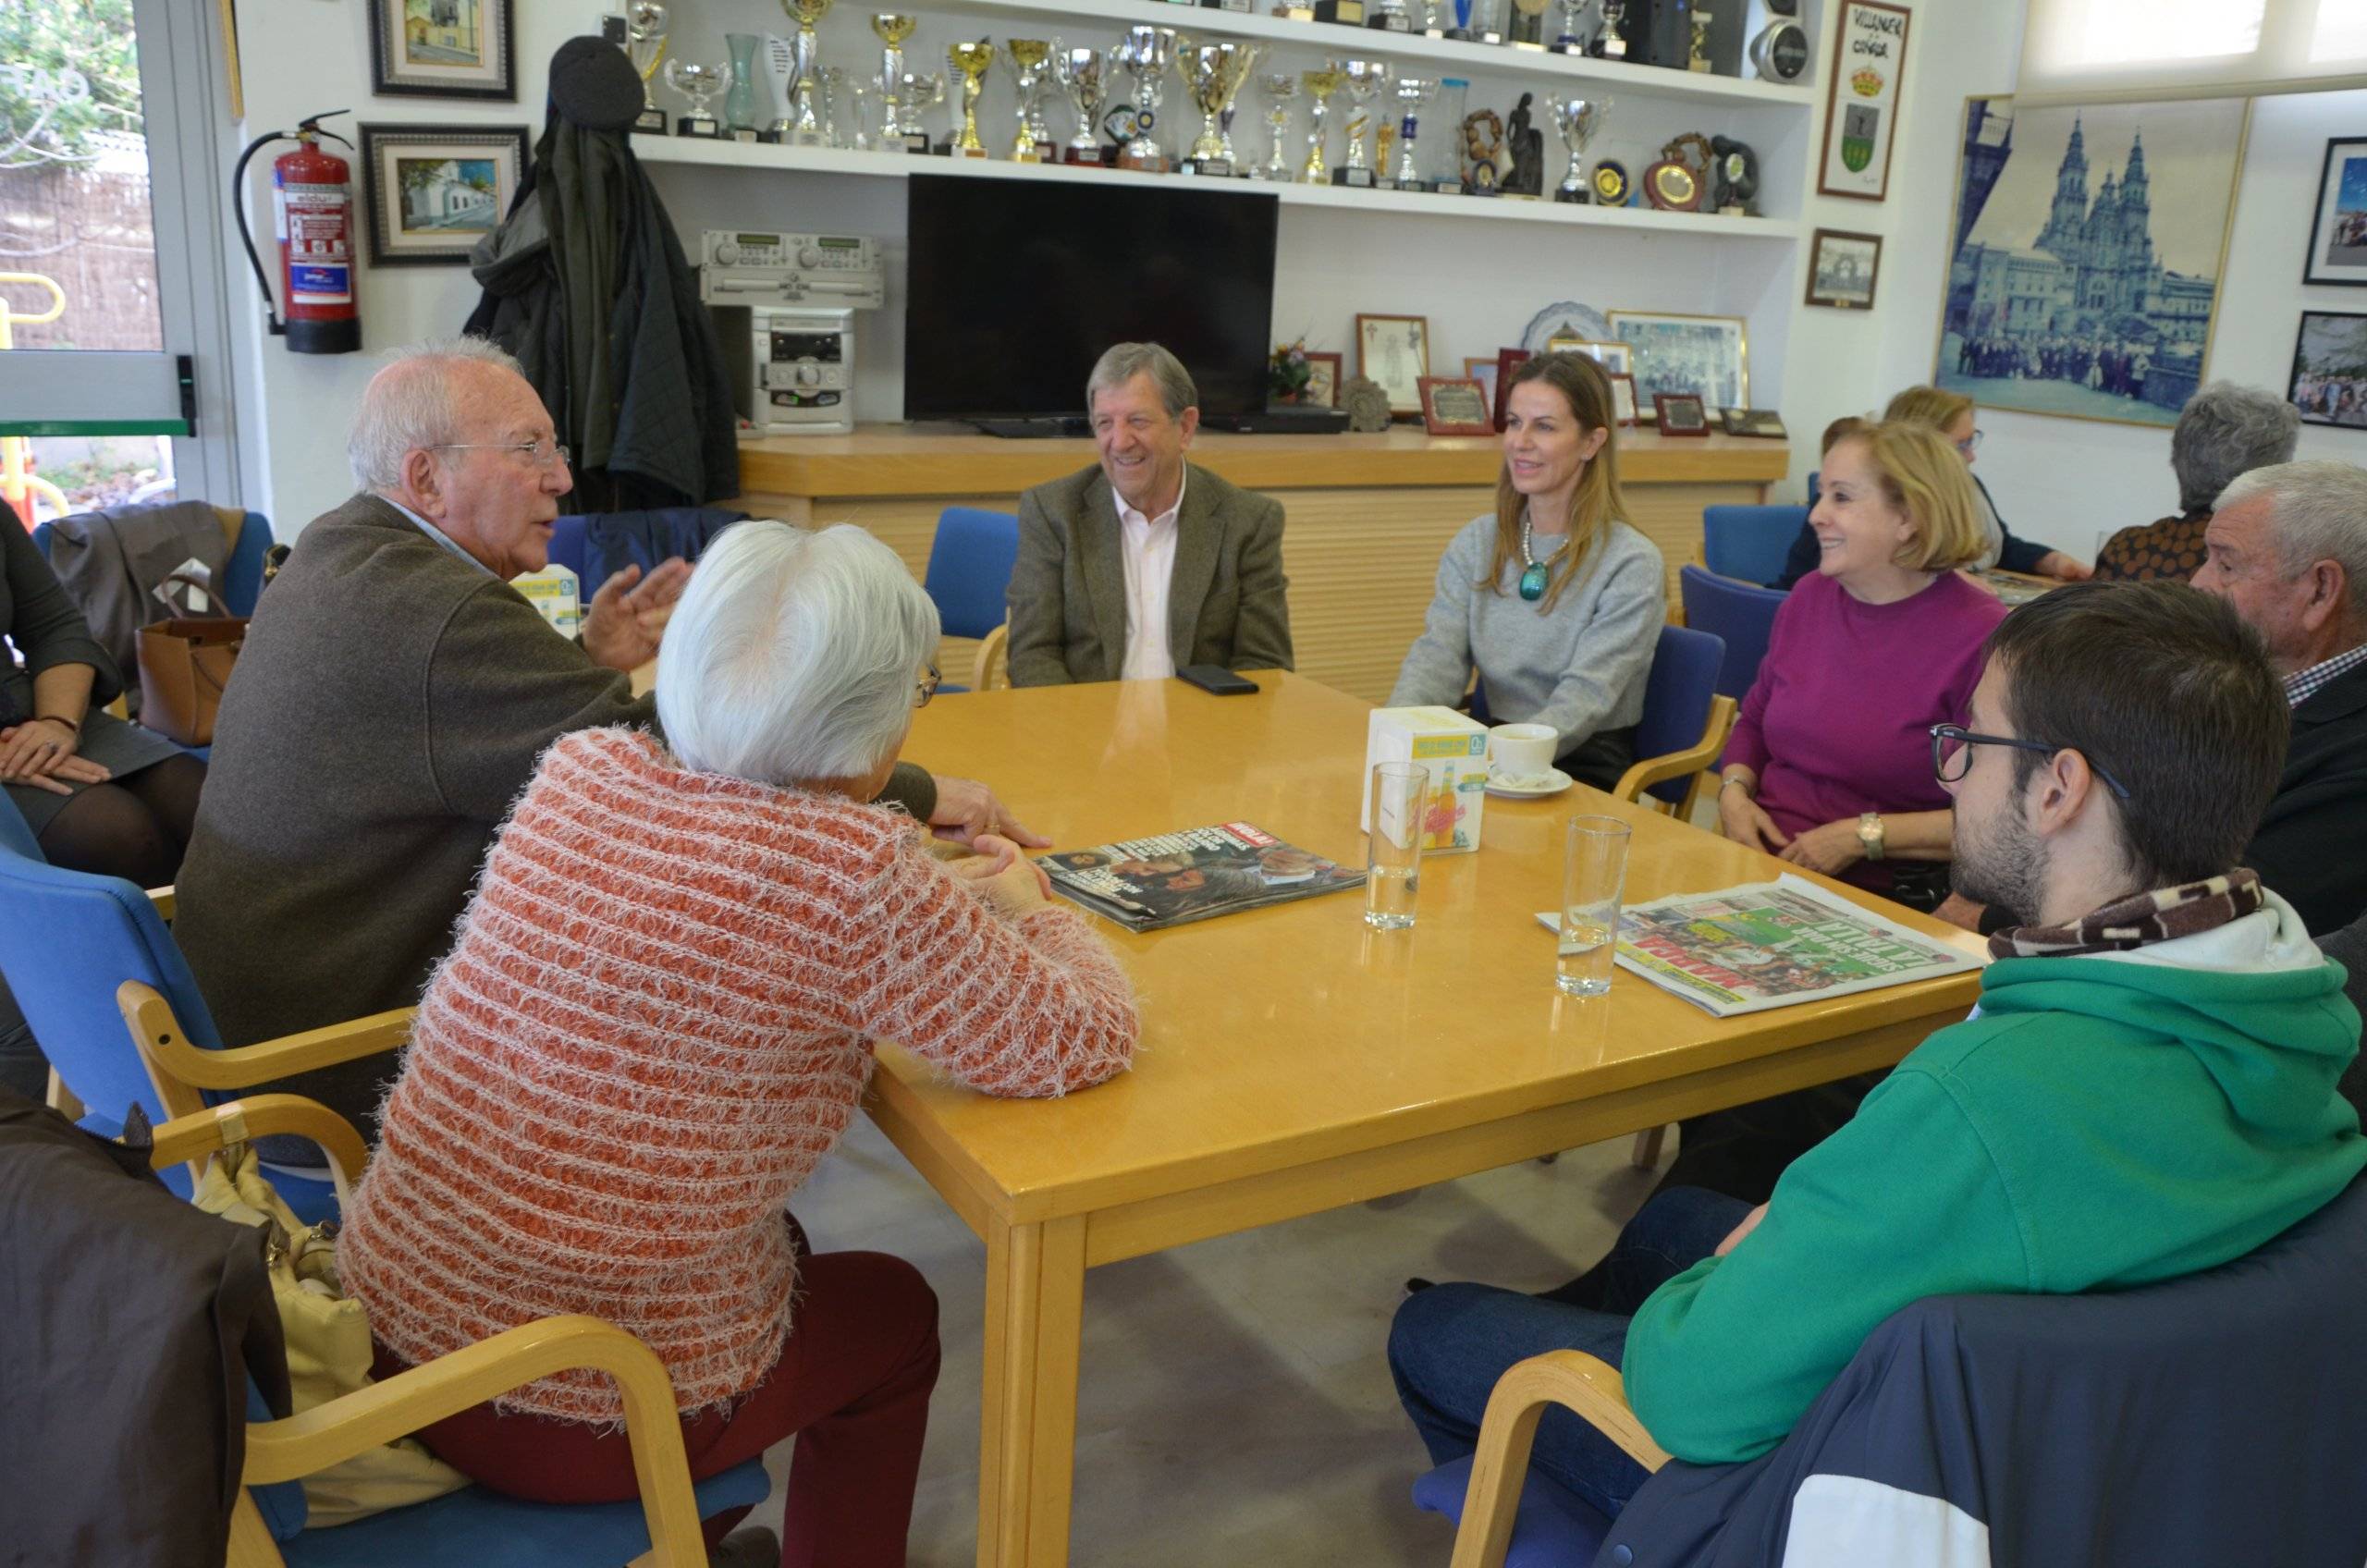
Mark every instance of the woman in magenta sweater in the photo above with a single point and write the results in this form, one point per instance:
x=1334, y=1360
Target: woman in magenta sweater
x=1829, y=763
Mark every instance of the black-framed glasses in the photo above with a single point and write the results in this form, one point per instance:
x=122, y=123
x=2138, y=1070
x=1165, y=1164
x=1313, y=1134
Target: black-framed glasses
x=543, y=454
x=925, y=686
x=1952, y=754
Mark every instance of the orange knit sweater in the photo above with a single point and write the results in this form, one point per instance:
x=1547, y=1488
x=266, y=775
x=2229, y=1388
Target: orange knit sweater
x=656, y=1019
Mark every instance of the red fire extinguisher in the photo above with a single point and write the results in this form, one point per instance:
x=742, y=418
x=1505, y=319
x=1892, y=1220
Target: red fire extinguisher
x=312, y=214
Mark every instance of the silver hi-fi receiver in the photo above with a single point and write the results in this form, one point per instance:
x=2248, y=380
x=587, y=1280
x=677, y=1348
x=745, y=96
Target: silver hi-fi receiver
x=791, y=369
x=756, y=267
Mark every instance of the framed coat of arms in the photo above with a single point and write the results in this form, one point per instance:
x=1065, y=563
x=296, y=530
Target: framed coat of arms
x=1861, y=100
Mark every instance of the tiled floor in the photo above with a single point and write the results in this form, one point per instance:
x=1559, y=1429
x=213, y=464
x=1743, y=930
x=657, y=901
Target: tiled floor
x=1236, y=1404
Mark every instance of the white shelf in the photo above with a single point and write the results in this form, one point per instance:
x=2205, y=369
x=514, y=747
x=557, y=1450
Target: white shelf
x=897, y=166
x=1444, y=55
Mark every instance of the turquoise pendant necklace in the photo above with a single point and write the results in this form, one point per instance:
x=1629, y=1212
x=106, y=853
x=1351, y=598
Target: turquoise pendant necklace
x=1533, y=573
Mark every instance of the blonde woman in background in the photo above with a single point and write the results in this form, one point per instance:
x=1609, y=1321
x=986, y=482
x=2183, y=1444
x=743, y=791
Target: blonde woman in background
x=1552, y=600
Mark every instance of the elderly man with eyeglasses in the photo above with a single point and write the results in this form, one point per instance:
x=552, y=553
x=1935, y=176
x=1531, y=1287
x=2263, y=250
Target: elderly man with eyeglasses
x=390, y=702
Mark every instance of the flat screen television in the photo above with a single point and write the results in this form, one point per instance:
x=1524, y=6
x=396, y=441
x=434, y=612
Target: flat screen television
x=1014, y=288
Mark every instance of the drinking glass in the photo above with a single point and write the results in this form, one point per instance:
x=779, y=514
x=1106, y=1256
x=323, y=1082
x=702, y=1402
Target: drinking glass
x=1394, y=845
x=1594, y=872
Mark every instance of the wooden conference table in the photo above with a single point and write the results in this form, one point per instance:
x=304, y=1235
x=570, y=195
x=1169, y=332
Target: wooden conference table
x=1291, y=1060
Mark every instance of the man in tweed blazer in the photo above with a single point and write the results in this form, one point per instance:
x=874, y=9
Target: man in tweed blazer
x=1145, y=562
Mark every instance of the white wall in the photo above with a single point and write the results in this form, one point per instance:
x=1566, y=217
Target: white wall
x=1478, y=281
x=2070, y=482
x=2067, y=481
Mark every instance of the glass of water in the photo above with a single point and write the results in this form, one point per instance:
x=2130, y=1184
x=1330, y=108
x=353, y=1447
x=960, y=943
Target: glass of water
x=1394, y=845
x=1594, y=872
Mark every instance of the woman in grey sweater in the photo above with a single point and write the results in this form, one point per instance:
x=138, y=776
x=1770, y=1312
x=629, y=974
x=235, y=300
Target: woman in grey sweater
x=1551, y=600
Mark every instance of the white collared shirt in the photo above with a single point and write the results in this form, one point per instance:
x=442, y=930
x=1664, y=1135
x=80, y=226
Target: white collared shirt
x=1148, y=546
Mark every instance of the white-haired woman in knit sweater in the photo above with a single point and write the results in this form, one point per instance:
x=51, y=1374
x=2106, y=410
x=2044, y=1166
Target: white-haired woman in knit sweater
x=659, y=1015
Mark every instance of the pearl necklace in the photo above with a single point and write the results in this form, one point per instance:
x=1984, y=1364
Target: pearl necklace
x=1534, y=572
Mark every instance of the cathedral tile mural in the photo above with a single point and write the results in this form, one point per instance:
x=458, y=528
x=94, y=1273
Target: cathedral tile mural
x=2089, y=246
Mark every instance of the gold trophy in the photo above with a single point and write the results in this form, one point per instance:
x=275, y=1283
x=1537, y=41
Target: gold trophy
x=972, y=60
x=1363, y=78
x=1030, y=60
x=645, y=32
x=1320, y=85
x=1697, y=55
x=806, y=128
x=1214, y=73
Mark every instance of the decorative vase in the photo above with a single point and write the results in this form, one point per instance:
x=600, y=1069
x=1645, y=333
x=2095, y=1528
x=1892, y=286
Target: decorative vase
x=740, y=103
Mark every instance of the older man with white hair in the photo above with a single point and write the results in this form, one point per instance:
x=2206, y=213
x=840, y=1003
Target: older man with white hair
x=392, y=697
x=2287, y=546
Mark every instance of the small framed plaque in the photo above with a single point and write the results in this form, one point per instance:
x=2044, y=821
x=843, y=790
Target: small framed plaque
x=1842, y=269
x=1507, y=362
x=1395, y=352
x=1623, y=398
x=1455, y=405
x=1322, y=379
x=1765, y=423
x=1673, y=186
x=1681, y=414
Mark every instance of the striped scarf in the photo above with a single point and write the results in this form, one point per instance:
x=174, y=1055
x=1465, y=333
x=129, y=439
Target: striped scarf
x=2157, y=916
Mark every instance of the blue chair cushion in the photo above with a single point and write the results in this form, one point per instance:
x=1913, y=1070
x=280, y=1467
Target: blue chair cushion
x=1750, y=541
x=970, y=562
x=485, y=1529
x=1554, y=1528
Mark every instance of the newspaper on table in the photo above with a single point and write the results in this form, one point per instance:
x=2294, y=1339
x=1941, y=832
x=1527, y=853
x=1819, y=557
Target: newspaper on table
x=1773, y=944
x=1149, y=883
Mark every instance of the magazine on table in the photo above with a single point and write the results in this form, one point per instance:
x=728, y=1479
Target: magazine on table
x=1773, y=944
x=1148, y=884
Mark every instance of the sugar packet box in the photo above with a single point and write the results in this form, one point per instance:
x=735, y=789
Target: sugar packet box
x=1454, y=747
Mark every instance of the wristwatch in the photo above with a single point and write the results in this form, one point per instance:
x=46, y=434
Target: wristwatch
x=1869, y=833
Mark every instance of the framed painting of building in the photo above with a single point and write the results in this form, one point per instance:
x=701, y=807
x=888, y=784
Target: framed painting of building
x=434, y=191
x=2087, y=249
x=443, y=48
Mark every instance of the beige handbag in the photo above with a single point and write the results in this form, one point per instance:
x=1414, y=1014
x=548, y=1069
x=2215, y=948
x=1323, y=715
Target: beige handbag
x=184, y=664
x=328, y=1345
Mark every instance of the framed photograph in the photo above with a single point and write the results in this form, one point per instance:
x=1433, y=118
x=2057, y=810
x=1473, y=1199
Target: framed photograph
x=1507, y=362
x=1623, y=399
x=1455, y=405
x=1763, y=424
x=443, y=49
x=1842, y=268
x=1484, y=372
x=2329, y=380
x=1706, y=356
x=2339, y=239
x=1617, y=358
x=2090, y=243
x=1395, y=352
x=1322, y=379
x=434, y=191
x=1861, y=100
x=1681, y=414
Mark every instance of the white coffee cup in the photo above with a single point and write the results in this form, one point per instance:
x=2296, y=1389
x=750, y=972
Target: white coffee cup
x=1521, y=755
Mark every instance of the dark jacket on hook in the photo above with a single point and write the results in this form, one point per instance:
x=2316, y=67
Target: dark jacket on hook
x=587, y=285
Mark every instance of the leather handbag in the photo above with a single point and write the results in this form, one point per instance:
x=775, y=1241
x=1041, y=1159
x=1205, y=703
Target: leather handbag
x=184, y=664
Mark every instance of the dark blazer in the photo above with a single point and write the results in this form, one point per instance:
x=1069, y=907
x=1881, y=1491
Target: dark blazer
x=2307, y=846
x=1228, y=602
x=2347, y=947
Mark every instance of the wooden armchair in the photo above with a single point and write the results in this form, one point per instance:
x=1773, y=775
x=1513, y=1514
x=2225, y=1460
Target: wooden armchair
x=1585, y=1384
x=991, y=671
x=1692, y=762
x=288, y=1449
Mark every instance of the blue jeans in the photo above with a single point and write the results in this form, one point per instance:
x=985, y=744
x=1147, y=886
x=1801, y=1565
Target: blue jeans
x=1450, y=1344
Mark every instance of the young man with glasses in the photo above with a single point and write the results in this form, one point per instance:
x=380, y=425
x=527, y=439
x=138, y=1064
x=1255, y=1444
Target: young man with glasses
x=2146, y=1090
x=391, y=699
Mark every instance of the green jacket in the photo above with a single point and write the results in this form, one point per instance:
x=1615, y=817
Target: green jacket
x=2097, y=1123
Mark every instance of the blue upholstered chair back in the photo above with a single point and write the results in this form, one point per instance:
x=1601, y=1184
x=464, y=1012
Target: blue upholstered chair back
x=567, y=547
x=16, y=835
x=1738, y=612
x=67, y=939
x=969, y=568
x=242, y=573
x=1749, y=543
x=1685, y=666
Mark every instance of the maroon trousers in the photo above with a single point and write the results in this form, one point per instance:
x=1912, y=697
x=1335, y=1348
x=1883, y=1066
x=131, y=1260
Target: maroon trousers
x=852, y=1384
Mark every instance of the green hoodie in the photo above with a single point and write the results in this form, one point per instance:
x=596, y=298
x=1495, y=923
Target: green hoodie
x=2098, y=1122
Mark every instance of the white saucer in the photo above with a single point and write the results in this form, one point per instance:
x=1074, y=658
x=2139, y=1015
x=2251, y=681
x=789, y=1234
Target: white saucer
x=1555, y=782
